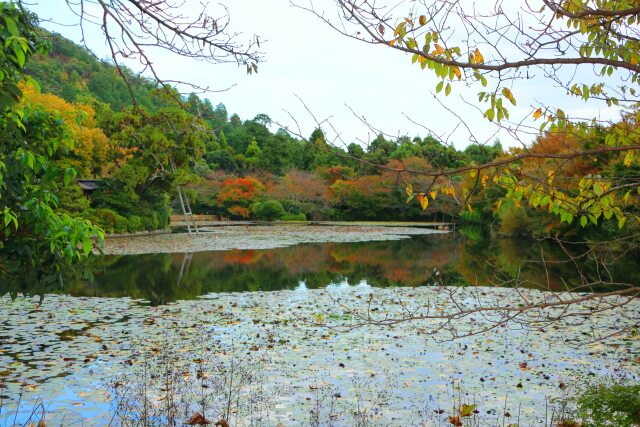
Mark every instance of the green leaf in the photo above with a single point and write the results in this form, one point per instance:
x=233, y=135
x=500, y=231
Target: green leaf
x=597, y=189
x=621, y=221
x=86, y=245
x=490, y=114
x=11, y=26
x=19, y=53
x=583, y=221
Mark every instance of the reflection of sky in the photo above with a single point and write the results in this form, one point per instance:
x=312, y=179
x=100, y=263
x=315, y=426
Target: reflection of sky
x=412, y=367
x=305, y=58
x=78, y=401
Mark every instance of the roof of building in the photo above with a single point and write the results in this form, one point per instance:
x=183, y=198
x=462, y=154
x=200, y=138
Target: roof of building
x=89, y=184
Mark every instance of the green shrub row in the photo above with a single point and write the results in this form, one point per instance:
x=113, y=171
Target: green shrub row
x=113, y=223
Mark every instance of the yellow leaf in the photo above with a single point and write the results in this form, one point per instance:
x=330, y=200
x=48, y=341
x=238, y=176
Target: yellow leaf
x=424, y=200
x=392, y=42
x=628, y=158
x=409, y=189
x=508, y=94
x=478, y=56
x=439, y=49
x=467, y=410
x=422, y=20
x=456, y=71
x=409, y=21
x=537, y=114
x=434, y=194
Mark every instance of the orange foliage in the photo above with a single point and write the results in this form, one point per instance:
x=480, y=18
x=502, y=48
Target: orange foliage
x=241, y=256
x=301, y=187
x=556, y=143
x=334, y=173
x=239, y=211
x=366, y=186
x=237, y=195
x=413, y=164
x=235, y=189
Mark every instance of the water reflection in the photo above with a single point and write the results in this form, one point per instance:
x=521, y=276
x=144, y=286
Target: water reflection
x=466, y=258
x=454, y=260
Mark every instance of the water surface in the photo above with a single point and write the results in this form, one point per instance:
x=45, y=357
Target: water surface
x=277, y=310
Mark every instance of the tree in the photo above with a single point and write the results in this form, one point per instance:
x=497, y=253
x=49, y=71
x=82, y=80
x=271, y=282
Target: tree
x=91, y=151
x=131, y=28
x=36, y=240
x=238, y=194
x=495, y=48
x=301, y=187
x=368, y=197
x=164, y=147
x=587, y=51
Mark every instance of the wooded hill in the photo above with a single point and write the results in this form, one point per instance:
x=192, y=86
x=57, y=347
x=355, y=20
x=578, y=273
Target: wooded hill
x=242, y=169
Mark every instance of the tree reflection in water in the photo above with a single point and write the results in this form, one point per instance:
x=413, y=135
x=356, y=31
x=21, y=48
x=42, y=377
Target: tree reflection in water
x=468, y=258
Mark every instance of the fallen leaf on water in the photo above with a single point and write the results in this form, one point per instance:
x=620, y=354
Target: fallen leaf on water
x=467, y=410
x=198, y=419
x=455, y=420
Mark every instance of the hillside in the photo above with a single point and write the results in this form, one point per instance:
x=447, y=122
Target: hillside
x=71, y=72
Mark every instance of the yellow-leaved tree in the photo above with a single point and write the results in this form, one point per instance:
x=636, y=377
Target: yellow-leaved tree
x=91, y=154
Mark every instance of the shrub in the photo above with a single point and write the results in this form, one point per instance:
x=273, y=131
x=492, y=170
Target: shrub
x=269, y=210
x=293, y=217
x=135, y=223
x=610, y=405
x=163, y=215
x=474, y=217
x=149, y=222
x=122, y=225
x=291, y=207
x=106, y=219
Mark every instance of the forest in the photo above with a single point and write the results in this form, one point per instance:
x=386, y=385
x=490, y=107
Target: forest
x=241, y=169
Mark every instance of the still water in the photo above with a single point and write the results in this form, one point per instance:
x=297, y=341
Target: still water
x=446, y=259
x=277, y=314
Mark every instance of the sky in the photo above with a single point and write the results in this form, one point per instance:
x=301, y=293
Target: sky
x=338, y=78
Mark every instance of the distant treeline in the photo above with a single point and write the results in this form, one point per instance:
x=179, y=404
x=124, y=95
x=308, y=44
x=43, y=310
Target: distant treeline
x=239, y=169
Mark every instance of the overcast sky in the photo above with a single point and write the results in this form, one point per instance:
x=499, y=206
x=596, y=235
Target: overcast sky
x=304, y=57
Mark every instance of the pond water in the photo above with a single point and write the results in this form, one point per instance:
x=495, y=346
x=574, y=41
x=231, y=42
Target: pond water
x=265, y=336
x=450, y=259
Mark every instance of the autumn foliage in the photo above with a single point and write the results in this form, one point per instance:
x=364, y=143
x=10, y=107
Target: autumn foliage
x=238, y=194
x=91, y=149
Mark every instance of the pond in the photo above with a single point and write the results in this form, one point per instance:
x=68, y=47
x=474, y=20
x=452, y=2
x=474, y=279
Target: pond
x=267, y=336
